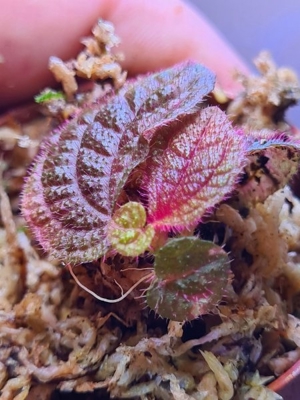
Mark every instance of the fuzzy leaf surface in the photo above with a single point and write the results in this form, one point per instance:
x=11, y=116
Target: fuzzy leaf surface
x=127, y=232
x=161, y=98
x=74, y=185
x=192, y=275
x=271, y=140
x=193, y=169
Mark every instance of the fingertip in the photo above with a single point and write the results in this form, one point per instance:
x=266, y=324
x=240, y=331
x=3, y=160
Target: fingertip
x=154, y=35
x=31, y=32
x=158, y=37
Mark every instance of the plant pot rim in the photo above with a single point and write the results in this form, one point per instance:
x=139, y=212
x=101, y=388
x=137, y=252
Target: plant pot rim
x=287, y=377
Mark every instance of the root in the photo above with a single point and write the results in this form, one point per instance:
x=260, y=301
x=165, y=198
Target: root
x=124, y=295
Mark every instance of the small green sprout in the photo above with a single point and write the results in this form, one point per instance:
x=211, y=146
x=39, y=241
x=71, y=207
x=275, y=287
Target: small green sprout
x=48, y=95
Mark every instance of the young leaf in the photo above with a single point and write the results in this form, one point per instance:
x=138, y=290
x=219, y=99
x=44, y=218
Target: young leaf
x=194, y=169
x=192, y=276
x=48, y=95
x=127, y=233
x=74, y=185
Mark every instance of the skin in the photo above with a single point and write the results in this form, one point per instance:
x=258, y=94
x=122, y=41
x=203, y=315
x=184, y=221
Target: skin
x=155, y=34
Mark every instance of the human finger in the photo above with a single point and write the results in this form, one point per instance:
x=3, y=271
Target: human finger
x=154, y=35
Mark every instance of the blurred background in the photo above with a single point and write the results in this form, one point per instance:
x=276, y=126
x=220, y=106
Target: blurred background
x=255, y=25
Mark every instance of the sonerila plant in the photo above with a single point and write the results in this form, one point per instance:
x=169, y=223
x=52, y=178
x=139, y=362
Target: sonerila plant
x=134, y=172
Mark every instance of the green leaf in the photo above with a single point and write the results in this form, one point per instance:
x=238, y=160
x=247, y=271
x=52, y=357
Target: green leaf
x=192, y=276
x=48, y=95
x=127, y=233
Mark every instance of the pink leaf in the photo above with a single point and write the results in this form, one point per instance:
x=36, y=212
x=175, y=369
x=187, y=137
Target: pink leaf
x=193, y=169
x=74, y=185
